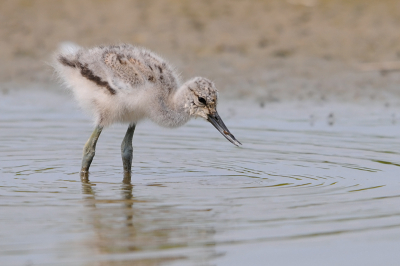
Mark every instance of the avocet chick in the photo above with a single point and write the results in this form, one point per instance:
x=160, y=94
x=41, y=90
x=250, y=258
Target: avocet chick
x=126, y=84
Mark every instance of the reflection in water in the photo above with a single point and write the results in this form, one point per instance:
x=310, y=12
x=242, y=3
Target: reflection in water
x=297, y=181
x=127, y=225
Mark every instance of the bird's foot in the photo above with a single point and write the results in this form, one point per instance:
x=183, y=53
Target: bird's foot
x=127, y=177
x=84, y=175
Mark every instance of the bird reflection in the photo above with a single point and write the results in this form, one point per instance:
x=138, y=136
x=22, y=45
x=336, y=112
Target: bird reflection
x=127, y=225
x=126, y=191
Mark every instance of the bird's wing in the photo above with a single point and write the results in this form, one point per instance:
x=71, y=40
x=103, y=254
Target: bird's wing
x=127, y=69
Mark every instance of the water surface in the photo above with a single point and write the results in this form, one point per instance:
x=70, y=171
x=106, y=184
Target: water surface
x=313, y=184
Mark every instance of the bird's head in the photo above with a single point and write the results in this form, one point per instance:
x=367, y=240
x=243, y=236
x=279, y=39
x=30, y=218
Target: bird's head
x=203, y=97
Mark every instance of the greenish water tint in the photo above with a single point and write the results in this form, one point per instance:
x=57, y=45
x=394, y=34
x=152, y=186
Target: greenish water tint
x=312, y=185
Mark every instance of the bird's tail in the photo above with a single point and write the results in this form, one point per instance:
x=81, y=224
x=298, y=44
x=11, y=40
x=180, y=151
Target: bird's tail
x=66, y=54
x=68, y=48
x=64, y=58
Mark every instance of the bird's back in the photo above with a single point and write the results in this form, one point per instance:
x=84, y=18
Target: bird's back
x=119, y=83
x=120, y=67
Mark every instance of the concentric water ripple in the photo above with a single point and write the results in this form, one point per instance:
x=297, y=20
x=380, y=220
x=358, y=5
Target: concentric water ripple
x=195, y=199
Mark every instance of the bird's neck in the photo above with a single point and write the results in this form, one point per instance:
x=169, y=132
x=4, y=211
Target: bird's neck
x=174, y=109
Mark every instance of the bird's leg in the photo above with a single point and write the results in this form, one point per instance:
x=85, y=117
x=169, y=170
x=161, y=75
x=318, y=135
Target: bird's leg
x=127, y=150
x=89, y=150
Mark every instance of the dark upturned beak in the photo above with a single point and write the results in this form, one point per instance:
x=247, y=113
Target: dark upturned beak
x=217, y=122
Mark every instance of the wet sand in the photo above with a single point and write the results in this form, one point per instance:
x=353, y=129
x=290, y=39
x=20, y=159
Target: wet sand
x=270, y=50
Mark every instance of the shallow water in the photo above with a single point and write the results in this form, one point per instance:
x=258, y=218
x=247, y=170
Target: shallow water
x=306, y=188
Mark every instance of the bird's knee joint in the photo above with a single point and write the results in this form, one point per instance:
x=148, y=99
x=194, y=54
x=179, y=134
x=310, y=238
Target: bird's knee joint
x=126, y=150
x=89, y=153
x=127, y=153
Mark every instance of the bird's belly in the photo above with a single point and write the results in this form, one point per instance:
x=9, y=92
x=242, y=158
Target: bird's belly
x=122, y=107
x=130, y=116
x=127, y=108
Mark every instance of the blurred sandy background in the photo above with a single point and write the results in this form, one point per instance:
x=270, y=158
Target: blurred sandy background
x=271, y=50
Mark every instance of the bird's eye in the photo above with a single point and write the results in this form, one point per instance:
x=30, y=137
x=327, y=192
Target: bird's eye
x=202, y=100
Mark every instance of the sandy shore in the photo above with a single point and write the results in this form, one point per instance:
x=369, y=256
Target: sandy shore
x=270, y=50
